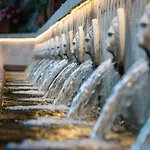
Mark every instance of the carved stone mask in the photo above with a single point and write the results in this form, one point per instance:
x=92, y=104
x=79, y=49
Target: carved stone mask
x=75, y=46
x=65, y=45
x=144, y=31
x=112, y=42
x=89, y=43
x=58, y=46
x=53, y=50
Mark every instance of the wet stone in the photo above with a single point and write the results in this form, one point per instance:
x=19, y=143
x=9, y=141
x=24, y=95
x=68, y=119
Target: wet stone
x=45, y=125
x=27, y=94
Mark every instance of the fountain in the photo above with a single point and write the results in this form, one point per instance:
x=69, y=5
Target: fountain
x=38, y=72
x=57, y=84
x=89, y=92
x=74, y=81
x=143, y=141
x=121, y=100
x=38, y=101
x=47, y=80
x=62, y=51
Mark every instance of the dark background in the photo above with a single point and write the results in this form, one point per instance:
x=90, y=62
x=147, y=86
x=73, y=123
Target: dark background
x=23, y=16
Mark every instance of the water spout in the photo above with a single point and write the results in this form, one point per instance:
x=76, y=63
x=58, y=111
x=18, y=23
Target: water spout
x=143, y=137
x=119, y=100
x=57, y=84
x=73, y=83
x=53, y=73
x=84, y=100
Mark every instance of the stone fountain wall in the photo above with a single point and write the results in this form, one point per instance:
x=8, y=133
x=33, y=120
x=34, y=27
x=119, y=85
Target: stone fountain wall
x=17, y=49
x=17, y=53
x=82, y=15
x=105, y=11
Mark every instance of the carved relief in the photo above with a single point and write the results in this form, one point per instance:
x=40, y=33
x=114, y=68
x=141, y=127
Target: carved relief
x=89, y=43
x=75, y=46
x=53, y=51
x=64, y=45
x=142, y=141
x=58, y=46
x=115, y=43
x=144, y=31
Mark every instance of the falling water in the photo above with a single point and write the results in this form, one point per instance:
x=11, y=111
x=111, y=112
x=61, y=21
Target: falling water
x=73, y=83
x=31, y=70
x=35, y=67
x=53, y=73
x=57, y=84
x=142, y=142
x=42, y=69
x=29, y=73
x=47, y=81
x=46, y=72
x=84, y=100
x=119, y=99
x=37, y=77
x=31, y=67
x=39, y=68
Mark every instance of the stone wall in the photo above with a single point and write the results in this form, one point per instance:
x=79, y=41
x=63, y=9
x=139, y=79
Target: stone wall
x=82, y=15
x=105, y=11
x=17, y=53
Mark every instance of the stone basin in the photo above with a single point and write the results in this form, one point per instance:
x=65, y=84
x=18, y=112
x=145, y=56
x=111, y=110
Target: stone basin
x=19, y=84
x=80, y=144
x=19, y=88
x=28, y=94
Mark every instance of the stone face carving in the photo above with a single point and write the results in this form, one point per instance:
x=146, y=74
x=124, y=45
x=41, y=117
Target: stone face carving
x=58, y=46
x=143, y=139
x=75, y=46
x=112, y=43
x=115, y=42
x=144, y=31
x=64, y=45
x=53, y=51
x=89, y=43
